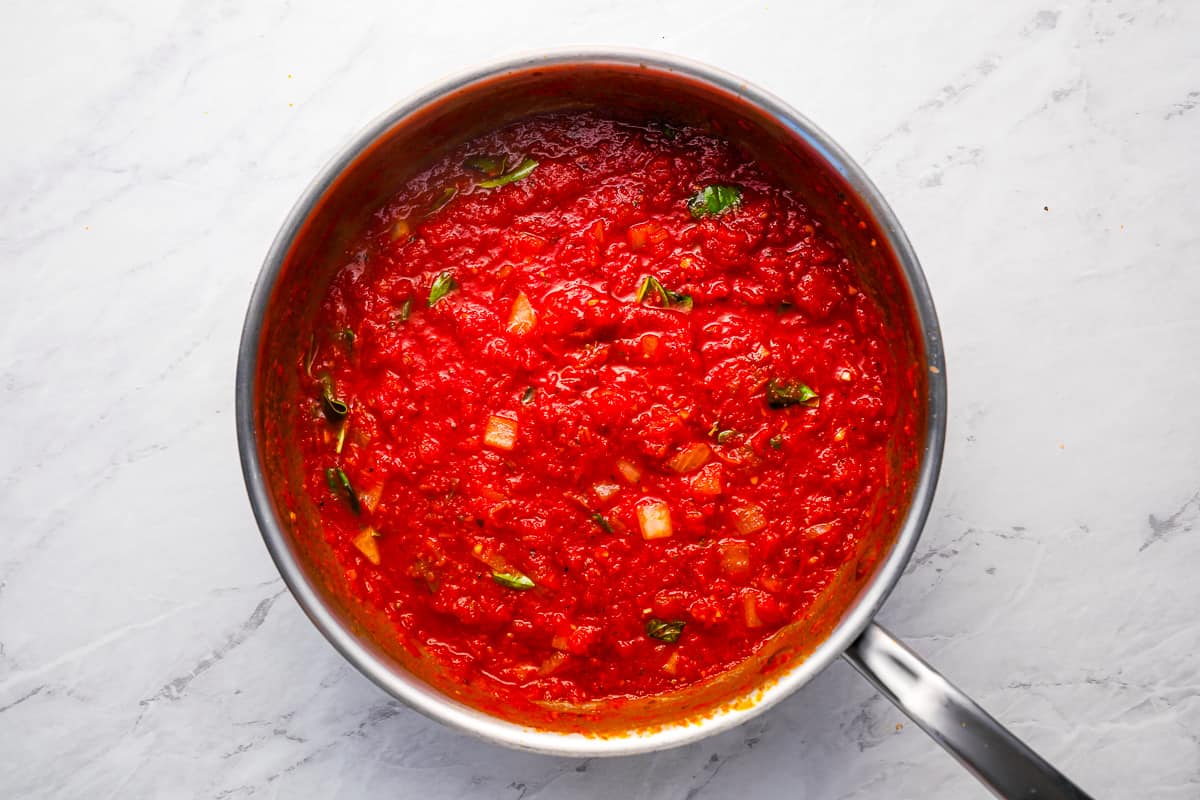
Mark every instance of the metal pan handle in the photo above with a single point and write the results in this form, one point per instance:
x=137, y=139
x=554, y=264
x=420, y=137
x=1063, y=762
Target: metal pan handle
x=1001, y=761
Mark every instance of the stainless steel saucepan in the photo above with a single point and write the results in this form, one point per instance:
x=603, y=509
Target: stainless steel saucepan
x=336, y=207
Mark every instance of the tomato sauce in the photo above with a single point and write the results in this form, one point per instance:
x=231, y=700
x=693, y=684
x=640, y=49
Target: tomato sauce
x=596, y=408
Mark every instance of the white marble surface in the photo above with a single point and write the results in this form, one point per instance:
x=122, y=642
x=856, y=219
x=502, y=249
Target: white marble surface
x=1045, y=159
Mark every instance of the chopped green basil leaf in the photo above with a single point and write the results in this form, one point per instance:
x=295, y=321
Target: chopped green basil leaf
x=336, y=409
x=712, y=200
x=513, y=580
x=341, y=440
x=776, y=441
x=446, y=196
x=522, y=170
x=405, y=310
x=667, y=130
x=442, y=285
x=664, y=631
x=725, y=435
x=648, y=283
x=338, y=481
x=527, y=397
x=790, y=393
x=604, y=524
x=669, y=299
x=490, y=166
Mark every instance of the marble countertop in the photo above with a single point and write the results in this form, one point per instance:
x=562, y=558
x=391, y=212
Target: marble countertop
x=1043, y=158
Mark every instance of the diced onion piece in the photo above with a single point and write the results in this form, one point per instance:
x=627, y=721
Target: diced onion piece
x=581, y=500
x=770, y=583
x=501, y=433
x=522, y=317
x=750, y=607
x=629, y=471
x=735, y=558
x=690, y=458
x=492, y=493
x=671, y=665
x=552, y=662
x=818, y=530
x=604, y=490
x=654, y=518
x=370, y=498
x=749, y=519
x=642, y=233
x=649, y=344
x=707, y=481
x=636, y=236
x=365, y=542
x=401, y=229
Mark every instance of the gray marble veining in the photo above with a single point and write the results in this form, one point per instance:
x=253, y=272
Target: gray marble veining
x=1043, y=157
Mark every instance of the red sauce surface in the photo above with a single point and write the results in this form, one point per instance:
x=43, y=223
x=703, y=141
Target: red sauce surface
x=603, y=393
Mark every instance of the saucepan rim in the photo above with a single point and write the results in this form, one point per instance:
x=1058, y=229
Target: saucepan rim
x=413, y=691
